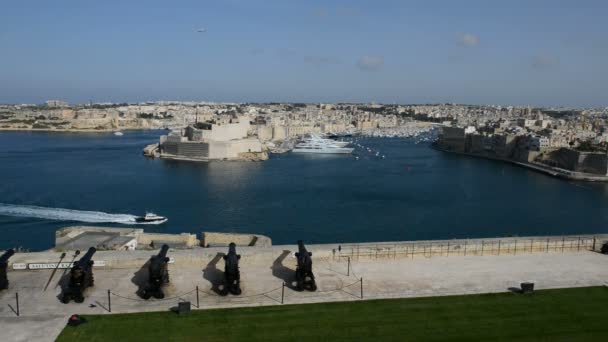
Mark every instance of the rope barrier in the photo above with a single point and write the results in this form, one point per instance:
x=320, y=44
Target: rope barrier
x=157, y=300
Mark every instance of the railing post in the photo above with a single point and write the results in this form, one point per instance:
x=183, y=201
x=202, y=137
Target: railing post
x=109, y=302
x=593, y=244
x=498, y=247
x=283, y=293
x=465, y=247
x=361, y=287
x=515, y=249
x=348, y=268
x=563, y=242
x=578, y=244
x=197, y=301
x=448, y=249
x=482, y=243
x=17, y=303
x=547, y=248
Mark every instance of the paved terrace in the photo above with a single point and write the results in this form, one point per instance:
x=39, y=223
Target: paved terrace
x=433, y=269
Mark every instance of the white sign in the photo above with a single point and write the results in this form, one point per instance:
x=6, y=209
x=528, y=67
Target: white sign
x=19, y=266
x=171, y=260
x=47, y=266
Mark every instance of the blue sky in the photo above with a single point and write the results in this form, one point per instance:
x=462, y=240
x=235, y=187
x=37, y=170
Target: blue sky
x=487, y=52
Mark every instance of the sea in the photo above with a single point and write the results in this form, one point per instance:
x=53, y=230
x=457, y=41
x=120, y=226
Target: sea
x=54, y=180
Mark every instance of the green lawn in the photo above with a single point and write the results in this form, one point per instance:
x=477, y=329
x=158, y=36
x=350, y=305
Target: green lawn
x=552, y=315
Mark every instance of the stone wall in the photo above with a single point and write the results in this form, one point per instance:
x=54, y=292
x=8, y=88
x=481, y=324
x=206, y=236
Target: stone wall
x=224, y=239
x=185, y=240
x=573, y=160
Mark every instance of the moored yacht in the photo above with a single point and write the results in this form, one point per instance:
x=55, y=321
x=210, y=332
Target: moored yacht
x=316, y=144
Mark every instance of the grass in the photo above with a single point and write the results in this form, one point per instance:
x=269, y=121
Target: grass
x=552, y=315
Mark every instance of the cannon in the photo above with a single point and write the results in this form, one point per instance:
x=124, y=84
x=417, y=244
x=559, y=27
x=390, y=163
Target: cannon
x=305, y=279
x=80, y=278
x=232, y=276
x=3, y=267
x=158, y=275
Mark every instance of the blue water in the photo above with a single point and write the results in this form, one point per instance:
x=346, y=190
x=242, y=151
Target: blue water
x=415, y=193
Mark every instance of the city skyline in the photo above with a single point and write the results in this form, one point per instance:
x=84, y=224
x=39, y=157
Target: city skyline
x=545, y=53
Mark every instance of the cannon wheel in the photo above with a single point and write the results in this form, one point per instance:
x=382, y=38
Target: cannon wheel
x=313, y=286
x=65, y=299
x=235, y=290
x=79, y=299
x=146, y=295
x=159, y=294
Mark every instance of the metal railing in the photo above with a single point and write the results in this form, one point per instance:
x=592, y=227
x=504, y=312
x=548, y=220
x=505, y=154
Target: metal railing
x=445, y=248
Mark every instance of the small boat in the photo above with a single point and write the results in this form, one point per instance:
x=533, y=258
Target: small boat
x=151, y=217
x=120, y=134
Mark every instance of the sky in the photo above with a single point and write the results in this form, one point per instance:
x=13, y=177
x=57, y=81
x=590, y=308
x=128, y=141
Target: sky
x=534, y=52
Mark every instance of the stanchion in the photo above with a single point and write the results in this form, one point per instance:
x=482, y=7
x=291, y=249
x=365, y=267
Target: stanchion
x=282, y=292
x=17, y=302
x=361, y=287
x=197, y=302
x=348, y=269
x=109, y=302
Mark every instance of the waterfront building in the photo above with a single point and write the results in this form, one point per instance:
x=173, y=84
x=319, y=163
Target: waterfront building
x=56, y=104
x=221, y=140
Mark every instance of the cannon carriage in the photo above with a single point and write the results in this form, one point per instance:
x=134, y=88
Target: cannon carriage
x=305, y=279
x=80, y=278
x=232, y=276
x=4, y=267
x=158, y=275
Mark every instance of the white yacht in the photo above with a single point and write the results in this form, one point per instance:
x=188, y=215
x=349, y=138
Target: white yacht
x=316, y=144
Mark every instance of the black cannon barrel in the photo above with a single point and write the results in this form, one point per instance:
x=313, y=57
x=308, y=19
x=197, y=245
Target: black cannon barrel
x=302, y=249
x=163, y=251
x=9, y=253
x=87, y=257
x=232, y=248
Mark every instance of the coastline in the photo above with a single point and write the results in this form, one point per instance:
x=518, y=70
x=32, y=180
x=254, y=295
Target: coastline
x=548, y=170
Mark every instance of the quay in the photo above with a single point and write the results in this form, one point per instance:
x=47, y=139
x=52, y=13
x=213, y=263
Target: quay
x=344, y=272
x=545, y=169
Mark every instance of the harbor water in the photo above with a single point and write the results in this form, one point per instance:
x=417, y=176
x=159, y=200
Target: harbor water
x=53, y=180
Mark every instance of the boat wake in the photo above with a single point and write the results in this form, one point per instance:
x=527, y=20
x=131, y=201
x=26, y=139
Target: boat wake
x=60, y=214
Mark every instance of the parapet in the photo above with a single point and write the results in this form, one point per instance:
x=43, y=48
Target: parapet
x=210, y=239
x=154, y=240
x=102, y=238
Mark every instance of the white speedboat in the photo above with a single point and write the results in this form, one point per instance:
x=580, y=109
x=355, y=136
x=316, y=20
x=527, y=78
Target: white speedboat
x=150, y=217
x=120, y=134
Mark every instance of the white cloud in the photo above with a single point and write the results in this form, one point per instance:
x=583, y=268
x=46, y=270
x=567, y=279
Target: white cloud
x=467, y=39
x=370, y=63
